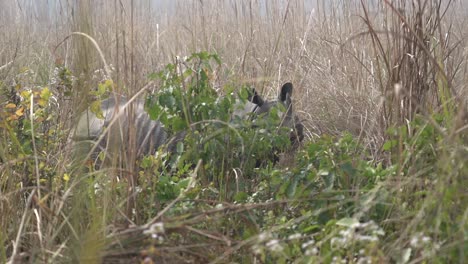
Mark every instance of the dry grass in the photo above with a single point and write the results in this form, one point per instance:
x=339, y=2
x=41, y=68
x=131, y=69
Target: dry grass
x=357, y=66
x=327, y=52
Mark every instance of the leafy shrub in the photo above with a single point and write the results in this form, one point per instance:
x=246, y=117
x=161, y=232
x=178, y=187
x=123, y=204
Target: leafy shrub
x=187, y=103
x=338, y=206
x=29, y=121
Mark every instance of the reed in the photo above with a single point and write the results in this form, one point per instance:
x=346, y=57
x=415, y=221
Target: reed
x=390, y=74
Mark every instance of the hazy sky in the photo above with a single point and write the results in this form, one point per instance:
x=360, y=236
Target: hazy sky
x=50, y=10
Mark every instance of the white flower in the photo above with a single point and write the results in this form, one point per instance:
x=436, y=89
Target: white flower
x=312, y=252
x=274, y=245
x=156, y=228
x=295, y=236
x=308, y=243
x=426, y=239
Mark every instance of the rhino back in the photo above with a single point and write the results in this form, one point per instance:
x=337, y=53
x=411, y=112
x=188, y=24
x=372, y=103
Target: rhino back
x=150, y=134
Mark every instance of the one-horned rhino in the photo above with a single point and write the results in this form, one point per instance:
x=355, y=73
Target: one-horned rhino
x=93, y=132
x=151, y=134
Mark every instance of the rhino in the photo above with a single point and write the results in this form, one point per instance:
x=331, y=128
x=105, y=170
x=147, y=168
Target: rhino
x=151, y=134
x=257, y=107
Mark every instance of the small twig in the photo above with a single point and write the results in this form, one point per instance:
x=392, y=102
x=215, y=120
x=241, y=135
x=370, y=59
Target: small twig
x=20, y=228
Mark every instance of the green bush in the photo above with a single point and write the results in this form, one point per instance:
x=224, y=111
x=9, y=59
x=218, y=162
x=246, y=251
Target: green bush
x=186, y=102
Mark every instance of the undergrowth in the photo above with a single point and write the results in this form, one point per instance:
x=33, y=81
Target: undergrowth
x=381, y=178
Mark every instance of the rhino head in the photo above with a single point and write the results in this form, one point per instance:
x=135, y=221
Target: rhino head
x=260, y=112
x=257, y=107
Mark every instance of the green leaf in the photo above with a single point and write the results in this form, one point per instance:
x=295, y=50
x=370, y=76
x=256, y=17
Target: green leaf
x=101, y=89
x=347, y=222
x=183, y=183
x=154, y=76
x=187, y=73
x=311, y=228
x=178, y=123
x=240, y=197
x=390, y=144
x=95, y=108
x=328, y=178
x=146, y=162
x=45, y=94
x=291, y=191
x=167, y=100
x=180, y=147
x=348, y=168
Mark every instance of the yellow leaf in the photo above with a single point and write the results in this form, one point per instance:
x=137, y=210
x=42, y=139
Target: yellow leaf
x=12, y=117
x=20, y=111
x=101, y=89
x=109, y=83
x=96, y=109
x=66, y=177
x=42, y=102
x=10, y=106
x=45, y=94
x=105, y=87
x=25, y=94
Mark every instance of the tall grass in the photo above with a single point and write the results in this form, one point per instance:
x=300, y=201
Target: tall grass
x=390, y=74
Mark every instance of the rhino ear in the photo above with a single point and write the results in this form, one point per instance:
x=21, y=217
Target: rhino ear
x=255, y=98
x=286, y=91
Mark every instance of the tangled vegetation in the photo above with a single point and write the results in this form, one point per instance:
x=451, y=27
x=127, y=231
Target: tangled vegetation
x=378, y=178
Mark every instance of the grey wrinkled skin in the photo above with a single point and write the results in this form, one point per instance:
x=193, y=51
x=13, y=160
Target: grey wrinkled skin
x=150, y=134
